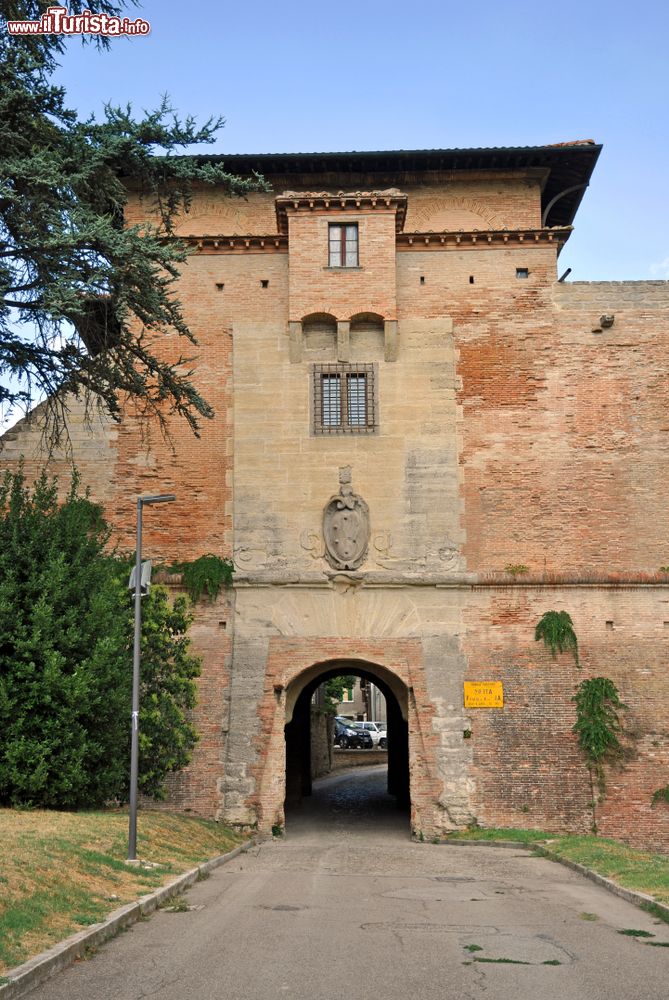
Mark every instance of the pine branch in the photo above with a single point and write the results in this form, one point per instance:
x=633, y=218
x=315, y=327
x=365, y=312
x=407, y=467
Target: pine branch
x=83, y=298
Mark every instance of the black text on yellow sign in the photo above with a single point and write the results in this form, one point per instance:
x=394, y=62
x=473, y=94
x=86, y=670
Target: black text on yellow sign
x=484, y=694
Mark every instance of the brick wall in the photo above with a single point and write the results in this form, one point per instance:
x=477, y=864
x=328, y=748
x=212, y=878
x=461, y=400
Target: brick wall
x=564, y=428
x=484, y=200
x=196, y=788
x=342, y=292
x=513, y=430
x=528, y=768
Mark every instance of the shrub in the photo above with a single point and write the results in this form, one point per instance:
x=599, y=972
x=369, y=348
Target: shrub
x=597, y=724
x=66, y=658
x=557, y=631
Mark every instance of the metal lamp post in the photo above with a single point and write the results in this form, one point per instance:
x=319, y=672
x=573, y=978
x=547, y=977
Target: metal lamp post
x=134, y=739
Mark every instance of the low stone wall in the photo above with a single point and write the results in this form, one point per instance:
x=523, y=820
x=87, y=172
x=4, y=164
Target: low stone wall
x=357, y=758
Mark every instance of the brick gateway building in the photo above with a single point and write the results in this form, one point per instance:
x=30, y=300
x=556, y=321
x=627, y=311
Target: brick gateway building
x=423, y=441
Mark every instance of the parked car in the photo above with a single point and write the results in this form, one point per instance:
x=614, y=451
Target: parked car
x=377, y=730
x=349, y=738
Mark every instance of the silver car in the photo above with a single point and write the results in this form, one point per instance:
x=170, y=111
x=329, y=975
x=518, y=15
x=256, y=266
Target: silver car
x=377, y=730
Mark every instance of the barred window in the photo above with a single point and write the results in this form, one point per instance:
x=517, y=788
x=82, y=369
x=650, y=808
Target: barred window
x=343, y=398
x=343, y=245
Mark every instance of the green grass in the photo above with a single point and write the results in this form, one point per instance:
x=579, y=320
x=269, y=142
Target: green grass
x=655, y=911
x=640, y=871
x=637, y=870
x=180, y=906
x=471, y=948
x=511, y=833
x=59, y=870
x=500, y=961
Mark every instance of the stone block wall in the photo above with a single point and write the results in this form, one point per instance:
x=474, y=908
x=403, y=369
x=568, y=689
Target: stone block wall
x=407, y=472
x=322, y=735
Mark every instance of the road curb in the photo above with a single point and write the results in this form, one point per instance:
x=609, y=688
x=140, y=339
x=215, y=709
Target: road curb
x=640, y=899
x=37, y=970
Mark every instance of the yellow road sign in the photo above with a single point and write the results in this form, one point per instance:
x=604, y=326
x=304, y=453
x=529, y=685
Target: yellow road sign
x=484, y=694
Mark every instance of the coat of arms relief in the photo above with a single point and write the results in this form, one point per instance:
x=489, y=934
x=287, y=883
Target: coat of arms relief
x=346, y=526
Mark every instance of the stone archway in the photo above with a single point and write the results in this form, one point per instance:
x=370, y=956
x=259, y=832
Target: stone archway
x=298, y=721
x=265, y=689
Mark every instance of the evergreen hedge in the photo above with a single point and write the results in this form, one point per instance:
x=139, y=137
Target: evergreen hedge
x=66, y=626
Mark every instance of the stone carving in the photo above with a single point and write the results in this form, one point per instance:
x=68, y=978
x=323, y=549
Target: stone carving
x=346, y=583
x=248, y=558
x=346, y=526
x=383, y=543
x=312, y=543
x=449, y=554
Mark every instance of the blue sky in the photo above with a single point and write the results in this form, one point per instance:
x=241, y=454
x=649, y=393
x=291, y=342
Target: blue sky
x=300, y=76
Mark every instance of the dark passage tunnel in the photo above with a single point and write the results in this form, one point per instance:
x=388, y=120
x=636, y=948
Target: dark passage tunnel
x=298, y=738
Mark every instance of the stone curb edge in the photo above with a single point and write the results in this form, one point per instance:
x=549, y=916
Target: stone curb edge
x=640, y=899
x=37, y=970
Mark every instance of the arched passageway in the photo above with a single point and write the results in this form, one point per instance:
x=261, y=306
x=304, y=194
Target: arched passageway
x=299, y=720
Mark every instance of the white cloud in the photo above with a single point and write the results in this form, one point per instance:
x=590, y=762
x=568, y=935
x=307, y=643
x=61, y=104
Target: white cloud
x=661, y=269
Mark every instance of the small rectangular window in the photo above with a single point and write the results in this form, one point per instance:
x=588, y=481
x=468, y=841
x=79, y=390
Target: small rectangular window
x=343, y=245
x=331, y=400
x=343, y=399
x=356, y=384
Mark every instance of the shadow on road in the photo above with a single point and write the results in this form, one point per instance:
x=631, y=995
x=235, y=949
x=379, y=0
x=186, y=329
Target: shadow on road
x=352, y=803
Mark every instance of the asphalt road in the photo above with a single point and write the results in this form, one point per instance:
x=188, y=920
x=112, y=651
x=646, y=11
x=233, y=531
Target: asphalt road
x=347, y=906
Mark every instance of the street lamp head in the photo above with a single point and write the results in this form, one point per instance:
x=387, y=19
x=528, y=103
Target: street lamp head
x=159, y=498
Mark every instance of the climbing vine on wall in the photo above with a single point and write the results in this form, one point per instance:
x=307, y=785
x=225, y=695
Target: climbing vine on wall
x=205, y=575
x=557, y=631
x=598, y=727
x=660, y=795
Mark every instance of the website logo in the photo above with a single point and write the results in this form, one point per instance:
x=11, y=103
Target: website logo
x=57, y=21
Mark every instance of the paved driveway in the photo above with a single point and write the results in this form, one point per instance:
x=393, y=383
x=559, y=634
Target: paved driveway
x=346, y=906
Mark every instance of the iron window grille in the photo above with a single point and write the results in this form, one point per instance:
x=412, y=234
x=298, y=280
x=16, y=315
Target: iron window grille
x=343, y=245
x=344, y=399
